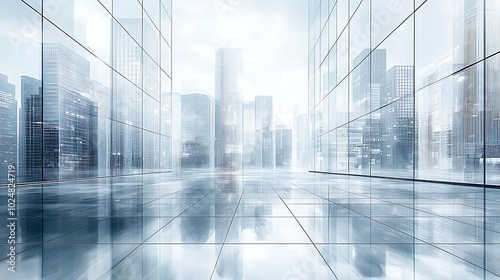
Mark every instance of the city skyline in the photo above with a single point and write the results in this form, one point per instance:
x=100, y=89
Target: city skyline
x=229, y=139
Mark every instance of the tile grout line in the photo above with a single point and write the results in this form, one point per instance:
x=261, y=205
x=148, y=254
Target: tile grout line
x=310, y=239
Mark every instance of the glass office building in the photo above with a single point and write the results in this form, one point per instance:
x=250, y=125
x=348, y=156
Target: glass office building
x=91, y=82
x=197, y=131
x=405, y=89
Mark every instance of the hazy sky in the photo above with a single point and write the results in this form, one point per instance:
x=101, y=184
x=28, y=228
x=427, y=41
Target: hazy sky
x=272, y=35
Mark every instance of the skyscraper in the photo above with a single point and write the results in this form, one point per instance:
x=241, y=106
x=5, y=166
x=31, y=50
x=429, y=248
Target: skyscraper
x=8, y=118
x=397, y=130
x=249, y=134
x=228, y=72
x=30, y=130
x=197, y=131
x=70, y=117
x=127, y=138
x=283, y=146
x=264, y=148
x=367, y=82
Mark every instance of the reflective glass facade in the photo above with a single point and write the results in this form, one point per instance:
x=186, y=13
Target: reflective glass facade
x=85, y=88
x=405, y=89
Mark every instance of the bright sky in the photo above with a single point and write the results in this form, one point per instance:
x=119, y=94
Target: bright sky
x=272, y=35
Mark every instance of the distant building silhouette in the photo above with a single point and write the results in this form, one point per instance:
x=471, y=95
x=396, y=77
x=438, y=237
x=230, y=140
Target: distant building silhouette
x=70, y=117
x=249, y=134
x=197, y=131
x=8, y=118
x=31, y=129
x=228, y=73
x=283, y=148
x=264, y=147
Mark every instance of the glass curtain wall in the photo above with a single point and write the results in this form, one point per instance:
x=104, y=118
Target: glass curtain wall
x=85, y=88
x=405, y=89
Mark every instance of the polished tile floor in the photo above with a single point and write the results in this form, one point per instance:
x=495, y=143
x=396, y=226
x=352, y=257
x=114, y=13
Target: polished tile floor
x=254, y=225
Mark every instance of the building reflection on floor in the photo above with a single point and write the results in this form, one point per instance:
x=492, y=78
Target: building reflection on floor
x=255, y=225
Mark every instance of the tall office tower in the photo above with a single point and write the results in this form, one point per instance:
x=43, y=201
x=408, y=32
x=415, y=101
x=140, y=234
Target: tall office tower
x=30, y=129
x=301, y=141
x=70, y=117
x=228, y=73
x=197, y=131
x=283, y=146
x=249, y=134
x=264, y=148
x=443, y=125
x=127, y=116
x=397, y=127
x=469, y=158
x=8, y=118
x=368, y=79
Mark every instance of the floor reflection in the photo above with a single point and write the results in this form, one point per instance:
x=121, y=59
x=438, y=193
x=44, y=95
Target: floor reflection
x=254, y=225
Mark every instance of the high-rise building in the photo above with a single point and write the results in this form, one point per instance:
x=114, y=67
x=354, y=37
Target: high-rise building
x=8, y=118
x=397, y=130
x=249, y=134
x=415, y=96
x=197, y=131
x=70, y=117
x=283, y=148
x=264, y=148
x=127, y=139
x=228, y=95
x=368, y=80
x=30, y=130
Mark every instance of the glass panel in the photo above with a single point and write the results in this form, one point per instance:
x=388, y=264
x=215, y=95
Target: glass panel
x=359, y=146
x=166, y=57
x=167, y=5
x=354, y=4
x=343, y=149
x=492, y=120
x=151, y=77
x=343, y=55
x=359, y=90
x=151, y=40
x=492, y=24
x=166, y=26
x=151, y=114
x=127, y=54
x=127, y=101
x=332, y=27
x=450, y=130
x=152, y=7
x=151, y=150
x=342, y=15
x=449, y=42
x=332, y=68
x=386, y=15
x=332, y=151
x=86, y=21
x=126, y=149
x=359, y=42
x=129, y=14
x=166, y=154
